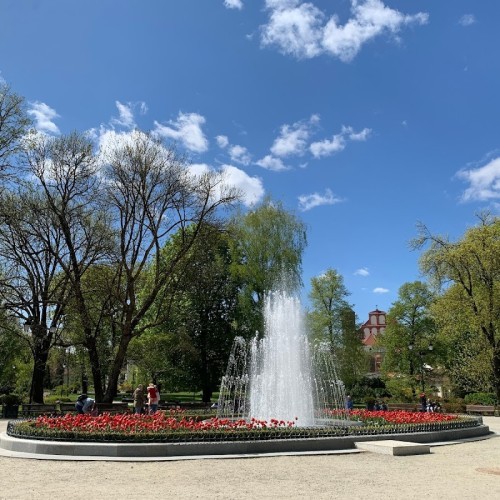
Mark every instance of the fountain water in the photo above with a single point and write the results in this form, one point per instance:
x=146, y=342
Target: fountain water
x=282, y=376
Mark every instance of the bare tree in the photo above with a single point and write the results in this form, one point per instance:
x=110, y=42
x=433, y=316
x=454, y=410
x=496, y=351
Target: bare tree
x=152, y=196
x=67, y=172
x=32, y=288
x=14, y=123
x=118, y=210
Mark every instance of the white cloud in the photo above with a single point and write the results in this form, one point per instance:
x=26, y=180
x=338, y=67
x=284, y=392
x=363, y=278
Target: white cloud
x=293, y=138
x=467, y=20
x=271, y=163
x=379, y=289
x=308, y=201
x=328, y=147
x=299, y=28
x=295, y=30
x=357, y=136
x=484, y=182
x=222, y=141
x=43, y=116
x=338, y=142
x=251, y=188
x=187, y=130
x=233, y=4
x=126, y=115
x=363, y=271
x=239, y=154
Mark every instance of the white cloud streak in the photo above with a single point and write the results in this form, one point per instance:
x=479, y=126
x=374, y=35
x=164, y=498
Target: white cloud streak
x=187, y=130
x=484, y=182
x=363, y=271
x=44, y=117
x=379, y=289
x=309, y=201
x=251, y=188
x=467, y=20
x=293, y=138
x=239, y=154
x=222, y=141
x=301, y=30
x=269, y=162
x=233, y=4
x=338, y=142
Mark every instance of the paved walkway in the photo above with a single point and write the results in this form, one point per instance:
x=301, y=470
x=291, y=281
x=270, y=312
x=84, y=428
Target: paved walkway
x=459, y=471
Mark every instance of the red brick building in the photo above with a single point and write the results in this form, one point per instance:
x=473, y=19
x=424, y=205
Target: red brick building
x=369, y=331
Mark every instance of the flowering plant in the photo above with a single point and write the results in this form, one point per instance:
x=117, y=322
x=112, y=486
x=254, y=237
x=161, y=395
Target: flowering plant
x=177, y=427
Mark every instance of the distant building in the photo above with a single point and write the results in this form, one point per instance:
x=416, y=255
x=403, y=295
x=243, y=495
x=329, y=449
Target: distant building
x=369, y=331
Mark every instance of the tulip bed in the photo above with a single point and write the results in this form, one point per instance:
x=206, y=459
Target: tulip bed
x=176, y=427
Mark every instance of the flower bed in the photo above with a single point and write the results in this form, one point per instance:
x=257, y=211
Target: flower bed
x=171, y=427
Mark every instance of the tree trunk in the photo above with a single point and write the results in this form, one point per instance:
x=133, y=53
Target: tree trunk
x=38, y=376
x=116, y=368
x=496, y=371
x=95, y=366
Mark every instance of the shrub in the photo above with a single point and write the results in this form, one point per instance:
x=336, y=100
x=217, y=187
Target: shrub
x=455, y=405
x=11, y=399
x=480, y=398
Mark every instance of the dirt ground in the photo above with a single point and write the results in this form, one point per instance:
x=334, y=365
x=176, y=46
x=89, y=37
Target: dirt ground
x=460, y=471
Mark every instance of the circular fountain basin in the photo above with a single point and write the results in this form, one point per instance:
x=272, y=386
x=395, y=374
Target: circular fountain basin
x=34, y=448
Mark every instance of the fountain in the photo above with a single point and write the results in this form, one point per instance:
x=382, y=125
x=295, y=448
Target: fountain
x=282, y=376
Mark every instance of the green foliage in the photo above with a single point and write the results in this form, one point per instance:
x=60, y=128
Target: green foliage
x=409, y=333
x=469, y=272
x=11, y=399
x=400, y=388
x=331, y=323
x=368, y=388
x=267, y=247
x=480, y=398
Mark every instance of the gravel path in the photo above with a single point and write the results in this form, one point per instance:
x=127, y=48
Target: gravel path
x=460, y=471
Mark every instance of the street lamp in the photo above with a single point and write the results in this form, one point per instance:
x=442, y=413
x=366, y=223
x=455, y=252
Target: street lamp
x=422, y=353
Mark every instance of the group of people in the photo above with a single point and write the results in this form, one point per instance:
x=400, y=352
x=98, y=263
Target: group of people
x=428, y=405
x=146, y=401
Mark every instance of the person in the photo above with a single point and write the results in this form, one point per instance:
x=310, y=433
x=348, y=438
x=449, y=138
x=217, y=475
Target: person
x=349, y=403
x=383, y=406
x=139, y=399
x=80, y=402
x=89, y=407
x=423, y=402
x=85, y=405
x=153, y=398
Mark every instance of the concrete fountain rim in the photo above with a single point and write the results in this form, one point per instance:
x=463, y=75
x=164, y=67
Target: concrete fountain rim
x=77, y=450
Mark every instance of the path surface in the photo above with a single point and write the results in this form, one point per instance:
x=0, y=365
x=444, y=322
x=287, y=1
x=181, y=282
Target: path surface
x=462, y=471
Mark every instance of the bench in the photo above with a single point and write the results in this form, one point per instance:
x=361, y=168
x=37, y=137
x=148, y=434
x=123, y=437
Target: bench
x=36, y=409
x=101, y=407
x=112, y=407
x=481, y=409
x=403, y=406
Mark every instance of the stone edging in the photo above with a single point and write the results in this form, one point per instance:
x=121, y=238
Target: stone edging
x=139, y=450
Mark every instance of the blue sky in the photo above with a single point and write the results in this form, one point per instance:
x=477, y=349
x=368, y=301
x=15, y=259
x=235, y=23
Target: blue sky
x=362, y=116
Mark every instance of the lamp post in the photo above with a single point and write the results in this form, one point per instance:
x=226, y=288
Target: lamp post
x=422, y=354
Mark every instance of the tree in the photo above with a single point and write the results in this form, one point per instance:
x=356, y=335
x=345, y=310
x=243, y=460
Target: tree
x=468, y=272
x=268, y=243
x=328, y=300
x=67, y=173
x=32, y=288
x=14, y=123
x=151, y=195
x=331, y=322
x=409, y=334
